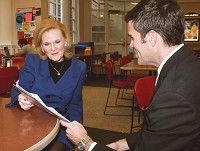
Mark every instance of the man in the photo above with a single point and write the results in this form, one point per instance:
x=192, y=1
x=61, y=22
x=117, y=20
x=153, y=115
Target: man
x=172, y=120
x=26, y=48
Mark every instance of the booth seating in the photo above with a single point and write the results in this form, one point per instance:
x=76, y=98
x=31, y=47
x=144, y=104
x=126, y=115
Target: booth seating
x=8, y=76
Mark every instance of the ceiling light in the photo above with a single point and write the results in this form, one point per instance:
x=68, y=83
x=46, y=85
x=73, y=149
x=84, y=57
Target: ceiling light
x=134, y=3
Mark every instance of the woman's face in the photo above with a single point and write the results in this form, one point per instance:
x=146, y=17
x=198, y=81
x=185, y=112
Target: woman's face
x=53, y=44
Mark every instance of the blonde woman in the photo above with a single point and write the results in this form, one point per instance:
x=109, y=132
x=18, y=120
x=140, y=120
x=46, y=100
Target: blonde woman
x=55, y=75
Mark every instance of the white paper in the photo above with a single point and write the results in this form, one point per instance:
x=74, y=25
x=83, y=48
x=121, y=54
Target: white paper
x=36, y=100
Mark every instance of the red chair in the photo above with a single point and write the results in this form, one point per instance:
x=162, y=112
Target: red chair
x=18, y=59
x=143, y=92
x=120, y=84
x=124, y=73
x=129, y=76
x=116, y=57
x=115, y=60
x=7, y=77
x=99, y=63
x=1, y=55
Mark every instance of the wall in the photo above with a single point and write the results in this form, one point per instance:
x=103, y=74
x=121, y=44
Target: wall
x=8, y=30
x=23, y=4
x=85, y=20
x=5, y=24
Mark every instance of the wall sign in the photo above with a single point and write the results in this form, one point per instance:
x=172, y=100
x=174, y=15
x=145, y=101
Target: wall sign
x=191, y=33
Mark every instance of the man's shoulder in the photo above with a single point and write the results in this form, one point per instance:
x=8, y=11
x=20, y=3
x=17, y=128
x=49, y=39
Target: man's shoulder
x=28, y=49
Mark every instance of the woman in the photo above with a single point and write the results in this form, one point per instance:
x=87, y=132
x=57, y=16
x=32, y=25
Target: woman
x=55, y=75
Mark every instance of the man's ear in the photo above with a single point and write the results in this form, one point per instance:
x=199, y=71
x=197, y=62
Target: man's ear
x=152, y=37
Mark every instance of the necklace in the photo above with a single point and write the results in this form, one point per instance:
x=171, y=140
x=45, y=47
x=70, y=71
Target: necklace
x=58, y=71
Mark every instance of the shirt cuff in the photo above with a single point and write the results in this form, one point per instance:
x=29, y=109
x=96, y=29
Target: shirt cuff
x=92, y=146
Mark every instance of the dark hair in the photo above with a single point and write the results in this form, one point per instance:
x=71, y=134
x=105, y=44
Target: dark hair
x=194, y=23
x=23, y=41
x=163, y=16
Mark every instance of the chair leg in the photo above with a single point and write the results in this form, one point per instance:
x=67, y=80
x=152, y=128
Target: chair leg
x=132, y=118
x=117, y=95
x=113, y=105
x=139, y=116
x=107, y=99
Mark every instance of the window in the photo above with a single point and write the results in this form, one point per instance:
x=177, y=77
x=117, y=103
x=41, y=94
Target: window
x=58, y=9
x=74, y=20
x=54, y=9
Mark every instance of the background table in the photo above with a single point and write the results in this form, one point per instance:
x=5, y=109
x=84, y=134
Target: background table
x=133, y=65
x=25, y=130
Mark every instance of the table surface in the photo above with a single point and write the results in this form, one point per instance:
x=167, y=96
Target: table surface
x=133, y=65
x=26, y=130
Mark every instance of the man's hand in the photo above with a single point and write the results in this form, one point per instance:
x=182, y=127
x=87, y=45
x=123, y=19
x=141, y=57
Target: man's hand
x=120, y=145
x=75, y=131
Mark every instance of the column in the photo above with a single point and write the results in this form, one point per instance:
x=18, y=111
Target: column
x=5, y=22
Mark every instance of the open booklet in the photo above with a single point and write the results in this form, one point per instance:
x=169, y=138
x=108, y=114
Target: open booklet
x=36, y=100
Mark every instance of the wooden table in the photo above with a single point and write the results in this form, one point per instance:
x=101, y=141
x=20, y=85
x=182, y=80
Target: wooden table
x=25, y=130
x=133, y=65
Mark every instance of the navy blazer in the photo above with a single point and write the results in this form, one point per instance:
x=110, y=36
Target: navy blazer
x=65, y=95
x=172, y=120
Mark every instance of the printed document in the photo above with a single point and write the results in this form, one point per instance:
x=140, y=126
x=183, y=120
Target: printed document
x=36, y=100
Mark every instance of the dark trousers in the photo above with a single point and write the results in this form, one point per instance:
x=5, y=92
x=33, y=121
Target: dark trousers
x=56, y=146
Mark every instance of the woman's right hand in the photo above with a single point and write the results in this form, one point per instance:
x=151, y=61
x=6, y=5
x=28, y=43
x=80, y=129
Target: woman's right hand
x=24, y=102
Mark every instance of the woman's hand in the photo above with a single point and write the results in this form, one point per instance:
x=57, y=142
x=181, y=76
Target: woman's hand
x=24, y=102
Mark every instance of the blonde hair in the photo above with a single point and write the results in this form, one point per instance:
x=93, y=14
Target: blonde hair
x=47, y=25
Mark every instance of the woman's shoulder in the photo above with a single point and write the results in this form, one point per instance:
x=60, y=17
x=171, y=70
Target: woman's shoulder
x=33, y=58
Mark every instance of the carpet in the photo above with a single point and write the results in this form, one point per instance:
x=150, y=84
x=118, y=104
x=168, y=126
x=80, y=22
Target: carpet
x=94, y=100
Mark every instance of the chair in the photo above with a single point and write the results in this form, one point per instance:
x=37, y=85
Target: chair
x=125, y=73
x=1, y=55
x=18, y=59
x=143, y=92
x=120, y=84
x=116, y=57
x=115, y=60
x=99, y=63
x=7, y=77
x=19, y=62
x=130, y=76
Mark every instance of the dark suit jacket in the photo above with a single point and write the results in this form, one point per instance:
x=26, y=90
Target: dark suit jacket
x=65, y=95
x=172, y=121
